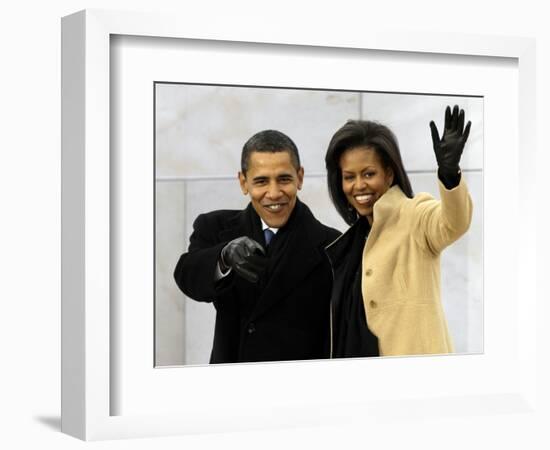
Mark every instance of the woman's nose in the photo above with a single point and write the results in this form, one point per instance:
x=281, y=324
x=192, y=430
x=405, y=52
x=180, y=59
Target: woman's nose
x=361, y=183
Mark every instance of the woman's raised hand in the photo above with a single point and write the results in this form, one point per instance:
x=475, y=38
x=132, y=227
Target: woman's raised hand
x=448, y=149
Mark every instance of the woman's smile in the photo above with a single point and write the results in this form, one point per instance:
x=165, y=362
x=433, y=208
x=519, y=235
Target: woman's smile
x=364, y=199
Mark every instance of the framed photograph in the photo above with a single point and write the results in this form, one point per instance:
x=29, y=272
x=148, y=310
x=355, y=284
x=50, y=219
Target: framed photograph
x=155, y=113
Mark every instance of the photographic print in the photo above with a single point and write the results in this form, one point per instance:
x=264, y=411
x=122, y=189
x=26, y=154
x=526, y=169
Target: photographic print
x=200, y=132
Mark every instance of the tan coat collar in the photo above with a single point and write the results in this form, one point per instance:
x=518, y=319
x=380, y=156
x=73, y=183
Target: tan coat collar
x=387, y=205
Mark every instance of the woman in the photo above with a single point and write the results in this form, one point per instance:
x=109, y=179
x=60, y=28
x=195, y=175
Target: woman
x=386, y=291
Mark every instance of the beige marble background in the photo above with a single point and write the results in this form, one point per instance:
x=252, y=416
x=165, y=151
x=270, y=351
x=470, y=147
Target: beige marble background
x=200, y=131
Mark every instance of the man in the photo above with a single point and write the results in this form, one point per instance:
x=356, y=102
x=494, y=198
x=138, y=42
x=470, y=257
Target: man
x=271, y=294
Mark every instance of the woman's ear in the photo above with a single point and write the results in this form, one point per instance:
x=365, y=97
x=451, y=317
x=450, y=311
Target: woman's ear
x=389, y=176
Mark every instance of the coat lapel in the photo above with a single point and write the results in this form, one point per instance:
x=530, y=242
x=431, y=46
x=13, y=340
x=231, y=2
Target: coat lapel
x=243, y=224
x=384, y=213
x=301, y=256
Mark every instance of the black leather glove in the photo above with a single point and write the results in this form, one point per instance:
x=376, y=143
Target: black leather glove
x=246, y=257
x=448, y=149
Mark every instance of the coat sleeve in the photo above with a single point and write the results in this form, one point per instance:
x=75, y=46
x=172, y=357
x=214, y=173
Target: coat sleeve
x=440, y=223
x=195, y=270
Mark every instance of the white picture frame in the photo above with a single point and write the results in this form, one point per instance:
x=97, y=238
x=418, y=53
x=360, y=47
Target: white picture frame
x=88, y=386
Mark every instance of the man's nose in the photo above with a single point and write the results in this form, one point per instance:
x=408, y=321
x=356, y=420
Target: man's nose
x=274, y=191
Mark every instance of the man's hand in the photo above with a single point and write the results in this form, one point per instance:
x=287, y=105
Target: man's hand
x=246, y=257
x=448, y=149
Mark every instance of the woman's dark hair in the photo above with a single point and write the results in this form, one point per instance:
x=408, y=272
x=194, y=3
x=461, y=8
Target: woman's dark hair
x=362, y=133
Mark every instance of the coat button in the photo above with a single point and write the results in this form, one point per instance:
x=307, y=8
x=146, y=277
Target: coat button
x=368, y=273
x=251, y=328
x=373, y=304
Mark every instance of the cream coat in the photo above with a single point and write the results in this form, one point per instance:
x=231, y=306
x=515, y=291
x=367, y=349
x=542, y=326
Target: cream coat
x=401, y=268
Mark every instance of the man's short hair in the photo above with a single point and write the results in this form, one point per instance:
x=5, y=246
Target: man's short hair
x=269, y=141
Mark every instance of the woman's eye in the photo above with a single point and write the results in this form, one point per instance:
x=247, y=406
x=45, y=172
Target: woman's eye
x=370, y=174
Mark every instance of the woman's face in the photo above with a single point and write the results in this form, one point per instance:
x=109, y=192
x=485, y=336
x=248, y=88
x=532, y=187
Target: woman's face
x=364, y=179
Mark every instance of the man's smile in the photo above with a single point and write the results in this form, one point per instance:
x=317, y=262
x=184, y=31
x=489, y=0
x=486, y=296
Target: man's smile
x=275, y=207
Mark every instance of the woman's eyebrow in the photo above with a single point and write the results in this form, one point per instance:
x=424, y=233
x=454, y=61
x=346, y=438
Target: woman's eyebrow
x=363, y=168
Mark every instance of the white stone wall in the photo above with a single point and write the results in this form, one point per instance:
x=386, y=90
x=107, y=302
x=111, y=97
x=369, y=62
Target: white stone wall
x=200, y=131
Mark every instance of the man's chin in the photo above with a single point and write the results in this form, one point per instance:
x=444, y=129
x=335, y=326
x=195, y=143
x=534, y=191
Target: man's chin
x=275, y=220
x=275, y=223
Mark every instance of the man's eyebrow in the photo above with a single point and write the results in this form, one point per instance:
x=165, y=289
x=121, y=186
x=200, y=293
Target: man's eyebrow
x=265, y=177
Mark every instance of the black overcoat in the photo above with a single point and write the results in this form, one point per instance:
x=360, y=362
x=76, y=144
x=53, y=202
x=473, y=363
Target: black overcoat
x=284, y=317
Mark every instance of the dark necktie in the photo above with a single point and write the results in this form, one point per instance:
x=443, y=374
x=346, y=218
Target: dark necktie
x=268, y=235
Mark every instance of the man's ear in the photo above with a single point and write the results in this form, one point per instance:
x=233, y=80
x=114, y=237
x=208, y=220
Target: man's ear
x=243, y=183
x=300, y=177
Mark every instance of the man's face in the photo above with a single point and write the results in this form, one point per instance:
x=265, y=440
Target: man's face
x=272, y=182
